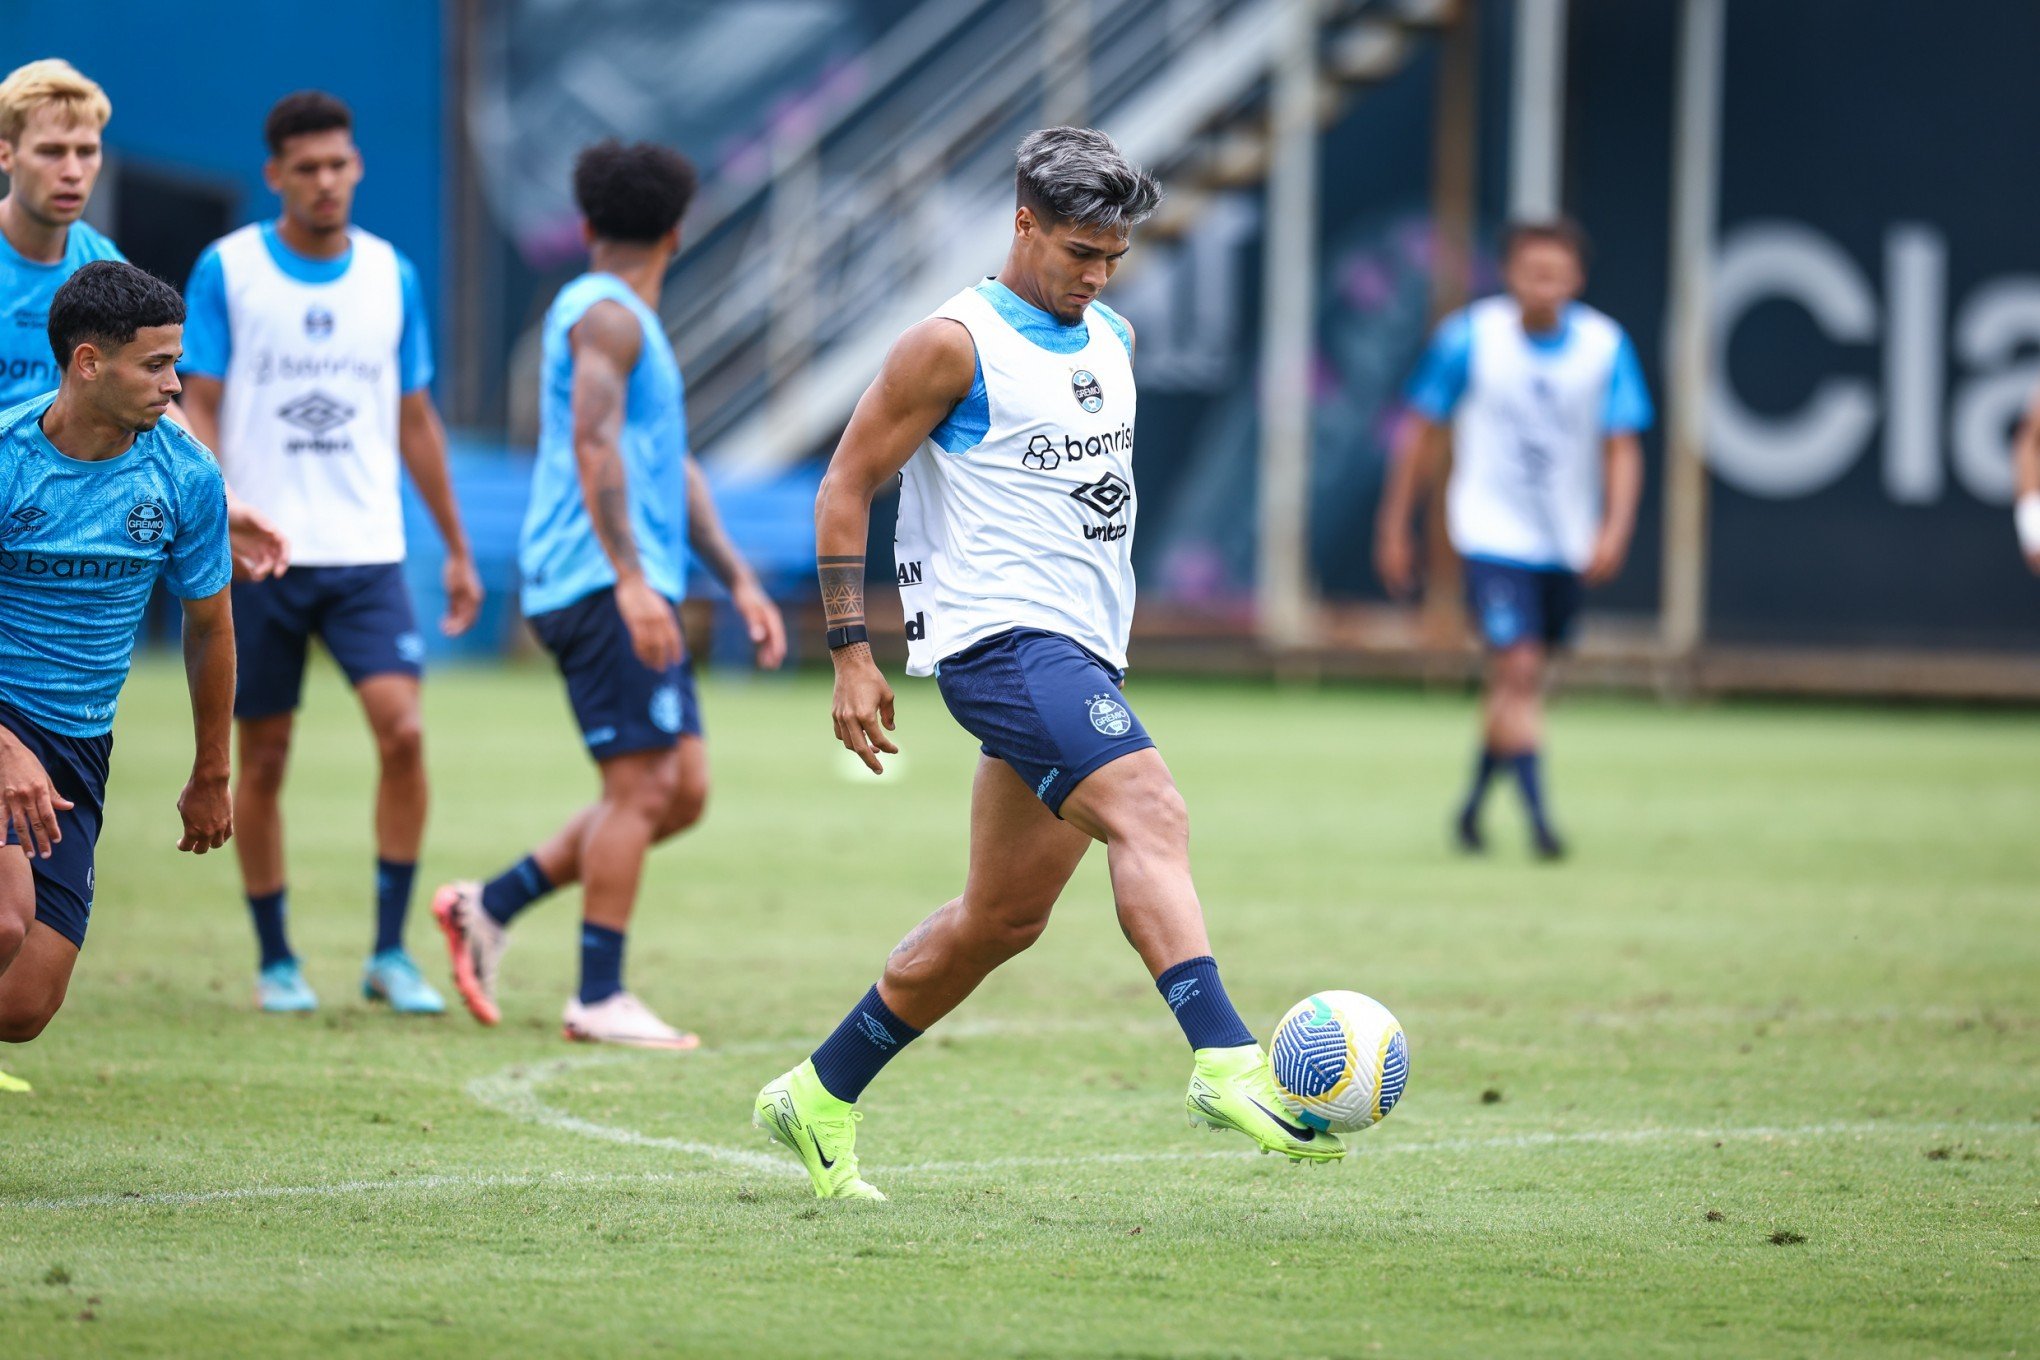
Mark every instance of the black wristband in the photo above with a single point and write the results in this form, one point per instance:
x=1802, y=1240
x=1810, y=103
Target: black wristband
x=847, y=635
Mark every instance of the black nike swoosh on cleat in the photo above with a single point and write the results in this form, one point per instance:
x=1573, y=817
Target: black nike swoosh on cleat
x=1302, y=1135
x=828, y=1164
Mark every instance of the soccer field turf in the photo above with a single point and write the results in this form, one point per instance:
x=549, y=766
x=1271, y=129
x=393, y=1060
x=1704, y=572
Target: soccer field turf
x=1755, y=1074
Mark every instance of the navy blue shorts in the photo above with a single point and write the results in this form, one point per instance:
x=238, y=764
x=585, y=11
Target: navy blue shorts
x=1512, y=604
x=362, y=614
x=1044, y=705
x=622, y=704
x=78, y=767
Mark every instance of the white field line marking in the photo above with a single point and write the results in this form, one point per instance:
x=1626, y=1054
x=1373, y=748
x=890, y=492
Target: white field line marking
x=184, y=1199
x=514, y=1092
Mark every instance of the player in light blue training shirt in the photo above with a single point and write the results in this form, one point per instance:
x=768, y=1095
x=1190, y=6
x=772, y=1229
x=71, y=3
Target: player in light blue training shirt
x=100, y=498
x=1544, y=400
x=615, y=505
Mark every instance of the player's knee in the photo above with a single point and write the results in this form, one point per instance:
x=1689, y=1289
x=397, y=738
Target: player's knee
x=264, y=761
x=23, y=1021
x=400, y=744
x=685, y=808
x=1013, y=935
x=1154, y=817
x=645, y=789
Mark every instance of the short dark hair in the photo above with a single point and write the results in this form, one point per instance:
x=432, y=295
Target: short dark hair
x=306, y=111
x=633, y=193
x=1558, y=230
x=105, y=303
x=1071, y=174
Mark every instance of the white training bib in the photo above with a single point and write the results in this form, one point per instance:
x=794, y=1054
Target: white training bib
x=1033, y=526
x=1527, y=437
x=308, y=429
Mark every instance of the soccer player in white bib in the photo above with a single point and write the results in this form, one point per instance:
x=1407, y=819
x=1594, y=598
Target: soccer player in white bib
x=308, y=364
x=1009, y=417
x=1543, y=401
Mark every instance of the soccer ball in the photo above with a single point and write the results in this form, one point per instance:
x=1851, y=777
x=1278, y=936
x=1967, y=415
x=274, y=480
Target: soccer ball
x=1340, y=1061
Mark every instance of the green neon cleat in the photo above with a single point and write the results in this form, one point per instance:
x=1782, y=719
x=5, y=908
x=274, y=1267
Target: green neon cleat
x=797, y=1110
x=1234, y=1088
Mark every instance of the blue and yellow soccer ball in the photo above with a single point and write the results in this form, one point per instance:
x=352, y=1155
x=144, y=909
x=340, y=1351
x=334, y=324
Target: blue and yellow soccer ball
x=1341, y=1061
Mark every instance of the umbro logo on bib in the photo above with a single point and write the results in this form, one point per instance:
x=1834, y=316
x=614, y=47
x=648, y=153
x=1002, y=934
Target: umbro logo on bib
x=1089, y=395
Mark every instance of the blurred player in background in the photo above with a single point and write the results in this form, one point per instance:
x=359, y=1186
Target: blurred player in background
x=100, y=498
x=51, y=121
x=308, y=364
x=615, y=503
x=1542, y=400
x=1010, y=412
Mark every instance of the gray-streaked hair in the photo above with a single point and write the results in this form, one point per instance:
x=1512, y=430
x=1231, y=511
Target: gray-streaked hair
x=1070, y=174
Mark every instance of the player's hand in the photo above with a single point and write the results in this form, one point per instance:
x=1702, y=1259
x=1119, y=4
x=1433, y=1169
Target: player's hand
x=463, y=594
x=1606, y=562
x=259, y=548
x=762, y=620
x=208, y=813
x=654, y=632
x=863, y=701
x=1395, y=560
x=31, y=801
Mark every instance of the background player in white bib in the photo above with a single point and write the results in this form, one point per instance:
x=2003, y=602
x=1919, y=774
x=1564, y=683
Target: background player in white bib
x=1009, y=414
x=308, y=369
x=1545, y=399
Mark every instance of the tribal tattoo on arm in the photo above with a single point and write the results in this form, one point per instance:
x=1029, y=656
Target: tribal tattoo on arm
x=842, y=590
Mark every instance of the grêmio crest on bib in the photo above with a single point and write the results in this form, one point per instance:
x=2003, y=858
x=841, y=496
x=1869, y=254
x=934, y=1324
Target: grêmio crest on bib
x=1090, y=396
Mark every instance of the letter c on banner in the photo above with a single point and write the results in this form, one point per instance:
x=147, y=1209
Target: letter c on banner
x=1793, y=455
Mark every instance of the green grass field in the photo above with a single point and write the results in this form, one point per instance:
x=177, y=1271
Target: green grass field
x=1758, y=1073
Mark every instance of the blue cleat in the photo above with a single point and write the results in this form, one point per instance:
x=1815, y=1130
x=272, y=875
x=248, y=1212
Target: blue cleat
x=281, y=988
x=391, y=976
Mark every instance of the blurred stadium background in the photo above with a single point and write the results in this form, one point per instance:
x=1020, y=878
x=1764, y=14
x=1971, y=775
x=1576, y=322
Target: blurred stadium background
x=1827, y=502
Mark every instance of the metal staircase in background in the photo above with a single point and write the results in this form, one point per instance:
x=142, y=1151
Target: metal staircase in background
x=794, y=284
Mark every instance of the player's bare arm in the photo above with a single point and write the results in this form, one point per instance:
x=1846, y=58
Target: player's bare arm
x=605, y=346
x=2026, y=469
x=705, y=535
x=205, y=806
x=421, y=439
x=260, y=549
x=1419, y=446
x=1622, y=489
x=928, y=371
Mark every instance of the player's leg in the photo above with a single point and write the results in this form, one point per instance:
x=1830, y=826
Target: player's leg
x=1515, y=725
x=1506, y=609
x=46, y=903
x=272, y=626
x=639, y=789
x=1021, y=857
x=17, y=917
x=1132, y=804
x=32, y=989
x=368, y=626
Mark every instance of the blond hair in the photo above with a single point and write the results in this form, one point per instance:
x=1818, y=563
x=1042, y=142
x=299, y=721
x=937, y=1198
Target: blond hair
x=43, y=83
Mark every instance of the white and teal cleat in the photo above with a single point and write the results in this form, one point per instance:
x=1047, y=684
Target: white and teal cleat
x=281, y=989
x=391, y=977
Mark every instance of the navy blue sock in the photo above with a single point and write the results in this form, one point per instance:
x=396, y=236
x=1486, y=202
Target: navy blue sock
x=866, y=1041
x=601, y=963
x=392, y=902
x=1202, y=1008
x=516, y=888
x=267, y=909
x=1483, y=775
x=1532, y=785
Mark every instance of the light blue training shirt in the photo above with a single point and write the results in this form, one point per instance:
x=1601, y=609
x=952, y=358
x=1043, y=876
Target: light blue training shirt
x=81, y=546
x=559, y=556
x=27, y=367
